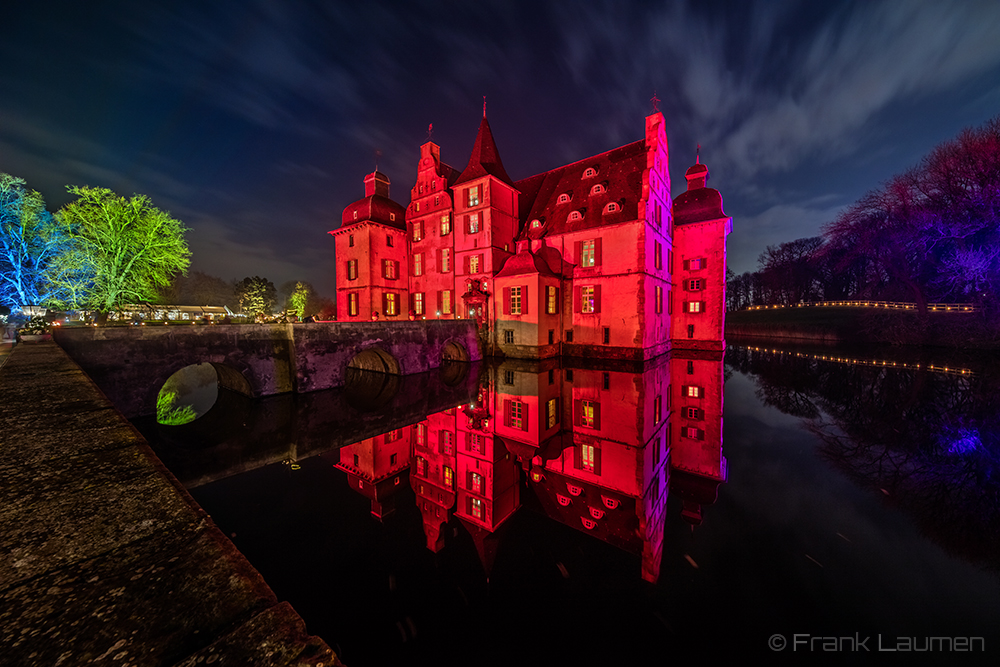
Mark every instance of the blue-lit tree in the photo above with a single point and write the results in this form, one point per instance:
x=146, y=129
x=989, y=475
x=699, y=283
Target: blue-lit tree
x=30, y=238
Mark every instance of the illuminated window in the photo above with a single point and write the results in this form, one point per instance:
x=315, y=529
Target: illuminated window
x=389, y=269
x=445, y=260
x=694, y=392
x=590, y=172
x=418, y=264
x=474, y=264
x=352, y=269
x=656, y=410
x=421, y=435
x=587, y=418
x=551, y=416
x=515, y=414
x=350, y=240
x=694, y=306
x=477, y=443
x=476, y=483
x=588, y=253
x=658, y=303
x=394, y=435
x=508, y=336
x=418, y=230
x=421, y=466
x=449, y=476
x=587, y=299
x=352, y=304
x=563, y=199
x=515, y=300
x=447, y=443
x=474, y=223
x=445, y=224
x=476, y=508
x=391, y=304
x=588, y=457
x=418, y=303
x=658, y=256
x=356, y=213
x=551, y=300
x=474, y=196
x=612, y=207
x=575, y=215
x=536, y=223
x=597, y=189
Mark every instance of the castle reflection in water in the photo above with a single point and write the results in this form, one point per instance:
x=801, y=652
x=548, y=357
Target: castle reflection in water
x=597, y=450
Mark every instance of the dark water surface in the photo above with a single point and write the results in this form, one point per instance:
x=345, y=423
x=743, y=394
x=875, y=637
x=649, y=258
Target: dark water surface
x=849, y=500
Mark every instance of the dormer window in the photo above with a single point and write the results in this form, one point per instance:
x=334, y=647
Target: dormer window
x=575, y=215
x=597, y=189
x=392, y=217
x=536, y=223
x=590, y=172
x=612, y=207
x=355, y=214
x=563, y=199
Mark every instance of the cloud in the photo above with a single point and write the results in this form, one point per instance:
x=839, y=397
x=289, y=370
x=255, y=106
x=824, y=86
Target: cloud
x=776, y=225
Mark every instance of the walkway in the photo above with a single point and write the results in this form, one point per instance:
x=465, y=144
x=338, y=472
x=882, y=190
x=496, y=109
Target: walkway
x=105, y=558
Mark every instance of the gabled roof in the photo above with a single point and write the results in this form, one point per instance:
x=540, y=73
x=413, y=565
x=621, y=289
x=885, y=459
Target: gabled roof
x=618, y=170
x=485, y=158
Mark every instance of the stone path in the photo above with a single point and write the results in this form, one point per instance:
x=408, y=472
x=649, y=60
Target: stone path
x=104, y=557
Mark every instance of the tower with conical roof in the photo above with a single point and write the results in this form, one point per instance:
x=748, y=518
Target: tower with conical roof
x=486, y=220
x=371, y=256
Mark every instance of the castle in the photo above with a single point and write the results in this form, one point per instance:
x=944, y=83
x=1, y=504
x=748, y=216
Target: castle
x=591, y=259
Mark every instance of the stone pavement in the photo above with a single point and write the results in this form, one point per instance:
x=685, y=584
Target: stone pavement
x=104, y=557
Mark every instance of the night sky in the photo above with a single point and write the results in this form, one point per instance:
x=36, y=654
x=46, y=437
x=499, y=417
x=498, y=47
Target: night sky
x=255, y=121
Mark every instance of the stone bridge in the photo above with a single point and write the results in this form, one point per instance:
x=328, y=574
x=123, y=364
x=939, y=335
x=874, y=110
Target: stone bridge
x=130, y=364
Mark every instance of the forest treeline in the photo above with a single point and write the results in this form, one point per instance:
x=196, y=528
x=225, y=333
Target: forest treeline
x=928, y=235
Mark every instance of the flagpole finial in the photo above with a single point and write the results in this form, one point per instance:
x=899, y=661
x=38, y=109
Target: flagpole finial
x=484, y=106
x=697, y=155
x=655, y=101
x=430, y=131
x=378, y=154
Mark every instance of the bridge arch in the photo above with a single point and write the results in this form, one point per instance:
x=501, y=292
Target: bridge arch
x=454, y=350
x=192, y=391
x=375, y=359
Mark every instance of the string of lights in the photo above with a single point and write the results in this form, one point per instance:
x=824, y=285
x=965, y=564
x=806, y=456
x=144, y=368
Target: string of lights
x=935, y=368
x=894, y=305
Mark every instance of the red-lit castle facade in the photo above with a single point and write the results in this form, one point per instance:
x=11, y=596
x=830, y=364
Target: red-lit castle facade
x=591, y=259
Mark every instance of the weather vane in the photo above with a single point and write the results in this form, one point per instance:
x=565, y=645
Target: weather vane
x=430, y=131
x=484, y=106
x=655, y=101
x=378, y=154
x=697, y=154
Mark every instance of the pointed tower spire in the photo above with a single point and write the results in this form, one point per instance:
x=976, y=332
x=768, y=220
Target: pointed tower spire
x=485, y=158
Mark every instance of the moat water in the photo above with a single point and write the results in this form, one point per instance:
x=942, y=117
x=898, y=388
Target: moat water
x=857, y=495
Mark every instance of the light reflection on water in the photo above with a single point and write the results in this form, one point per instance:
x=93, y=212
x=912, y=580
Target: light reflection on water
x=824, y=525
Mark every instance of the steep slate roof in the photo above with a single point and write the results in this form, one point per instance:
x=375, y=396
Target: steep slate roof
x=485, y=159
x=525, y=262
x=618, y=170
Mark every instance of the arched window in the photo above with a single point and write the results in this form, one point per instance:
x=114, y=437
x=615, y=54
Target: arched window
x=590, y=172
x=597, y=189
x=536, y=223
x=612, y=207
x=575, y=215
x=563, y=198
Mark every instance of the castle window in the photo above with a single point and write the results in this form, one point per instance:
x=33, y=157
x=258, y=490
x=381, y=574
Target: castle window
x=476, y=486
x=474, y=223
x=597, y=189
x=437, y=199
x=421, y=441
x=606, y=380
x=476, y=508
x=693, y=413
x=657, y=414
x=607, y=335
x=388, y=241
x=612, y=207
x=690, y=368
x=418, y=264
x=694, y=264
x=587, y=299
x=446, y=301
x=434, y=185
x=477, y=443
x=392, y=217
x=352, y=304
x=575, y=215
x=421, y=464
x=695, y=285
x=391, y=304
x=447, y=443
x=390, y=268
x=658, y=256
x=474, y=264
x=418, y=207
x=588, y=253
x=445, y=260
x=590, y=172
x=588, y=416
x=352, y=269
x=508, y=336
x=418, y=230
x=445, y=224
x=551, y=300
x=418, y=303
x=659, y=299
x=355, y=214
x=551, y=413
x=516, y=415
x=563, y=199
x=515, y=300
x=694, y=306
x=692, y=391
x=474, y=196
x=536, y=223
x=508, y=377
x=693, y=433
x=449, y=476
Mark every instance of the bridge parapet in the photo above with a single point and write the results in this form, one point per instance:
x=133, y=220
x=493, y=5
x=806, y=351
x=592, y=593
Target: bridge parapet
x=130, y=364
